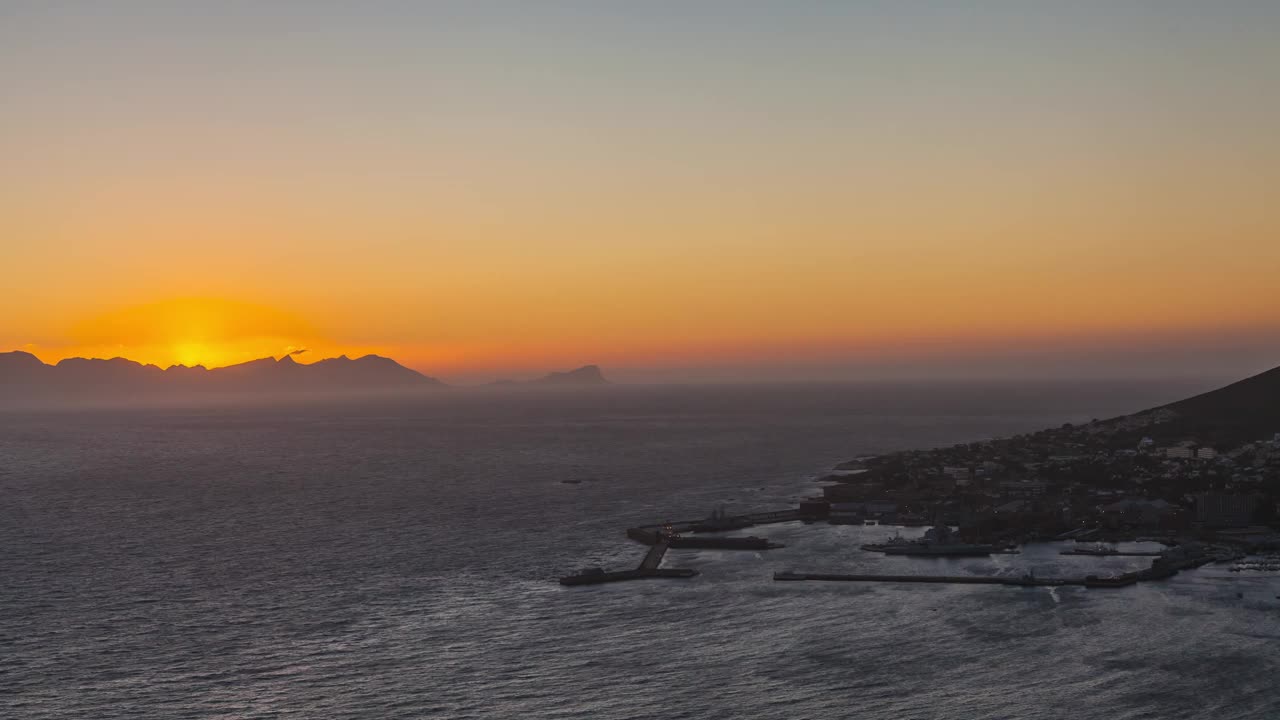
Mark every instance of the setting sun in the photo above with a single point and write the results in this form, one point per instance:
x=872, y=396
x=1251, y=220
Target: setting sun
x=867, y=350
x=593, y=202
x=191, y=331
x=192, y=354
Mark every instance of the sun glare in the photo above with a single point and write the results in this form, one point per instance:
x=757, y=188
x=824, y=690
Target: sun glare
x=192, y=353
x=193, y=331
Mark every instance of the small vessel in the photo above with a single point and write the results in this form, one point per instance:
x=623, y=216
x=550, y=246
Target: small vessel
x=722, y=543
x=938, y=541
x=719, y=521
x=1094, y=581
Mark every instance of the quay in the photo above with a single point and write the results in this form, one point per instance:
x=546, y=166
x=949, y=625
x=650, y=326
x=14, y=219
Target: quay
x=596, y=578
x=653, y=558
x=840, y=577
x=1024, y=581
x=1165, y=566
x=654, y=538
x=649, y=534
x=722, y=543
x=1109, y=554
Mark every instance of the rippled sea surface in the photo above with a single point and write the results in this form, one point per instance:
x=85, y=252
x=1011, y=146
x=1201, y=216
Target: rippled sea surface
x=397, y=559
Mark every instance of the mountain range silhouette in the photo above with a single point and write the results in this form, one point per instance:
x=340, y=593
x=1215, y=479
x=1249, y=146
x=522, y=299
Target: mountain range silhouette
x=24, y=376
x=1246, y=407
x=265, y=374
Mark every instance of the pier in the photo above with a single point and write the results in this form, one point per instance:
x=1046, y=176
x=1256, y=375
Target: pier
x=648, y=568
x=653, y=558
x=649, y=534
x=592, y=578
x=1109, y=554
x=1163, y=567
x=1024, y=581
x=663, y=536
x=722, y=543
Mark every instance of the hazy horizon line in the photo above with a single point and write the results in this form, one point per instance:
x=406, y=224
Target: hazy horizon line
x=914, y=371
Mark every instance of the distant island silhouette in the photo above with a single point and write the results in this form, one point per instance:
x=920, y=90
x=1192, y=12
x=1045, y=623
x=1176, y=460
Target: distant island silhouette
x=585, y=375
x=24, y=377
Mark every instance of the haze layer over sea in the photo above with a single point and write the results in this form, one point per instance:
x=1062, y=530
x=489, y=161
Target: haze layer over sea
x=397, y=559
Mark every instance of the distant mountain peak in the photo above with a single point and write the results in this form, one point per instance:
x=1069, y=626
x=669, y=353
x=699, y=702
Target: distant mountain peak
x=1243, y=411
x=18, y=367
x=1249, y=405
x=20, y=357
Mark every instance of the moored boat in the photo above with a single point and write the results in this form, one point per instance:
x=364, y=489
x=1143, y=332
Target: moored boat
x=719, y=521
x=939, y=541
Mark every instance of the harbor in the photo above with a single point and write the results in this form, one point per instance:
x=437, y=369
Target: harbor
x=938, y=542
x=1164, y=565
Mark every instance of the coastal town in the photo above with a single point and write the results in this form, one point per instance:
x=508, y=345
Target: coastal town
x=1094, y=480
x=1201, y=476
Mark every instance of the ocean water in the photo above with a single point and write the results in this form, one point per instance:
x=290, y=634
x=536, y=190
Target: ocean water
x=397, y=559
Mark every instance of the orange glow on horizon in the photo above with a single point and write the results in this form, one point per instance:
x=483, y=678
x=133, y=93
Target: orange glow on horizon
x=537, y=196
x=194, y=331
x=215, y=333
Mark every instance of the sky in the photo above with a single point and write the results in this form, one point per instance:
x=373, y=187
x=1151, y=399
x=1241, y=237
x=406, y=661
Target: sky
x=673, y=190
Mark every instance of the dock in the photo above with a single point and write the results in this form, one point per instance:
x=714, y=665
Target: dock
x=620, y=575
x=1109, y=554
x=940, y=579
x=1161, y=568
x=648, y=534
x=661, y=537
x=653, y=558
x=648, y=568
x=722, y=543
